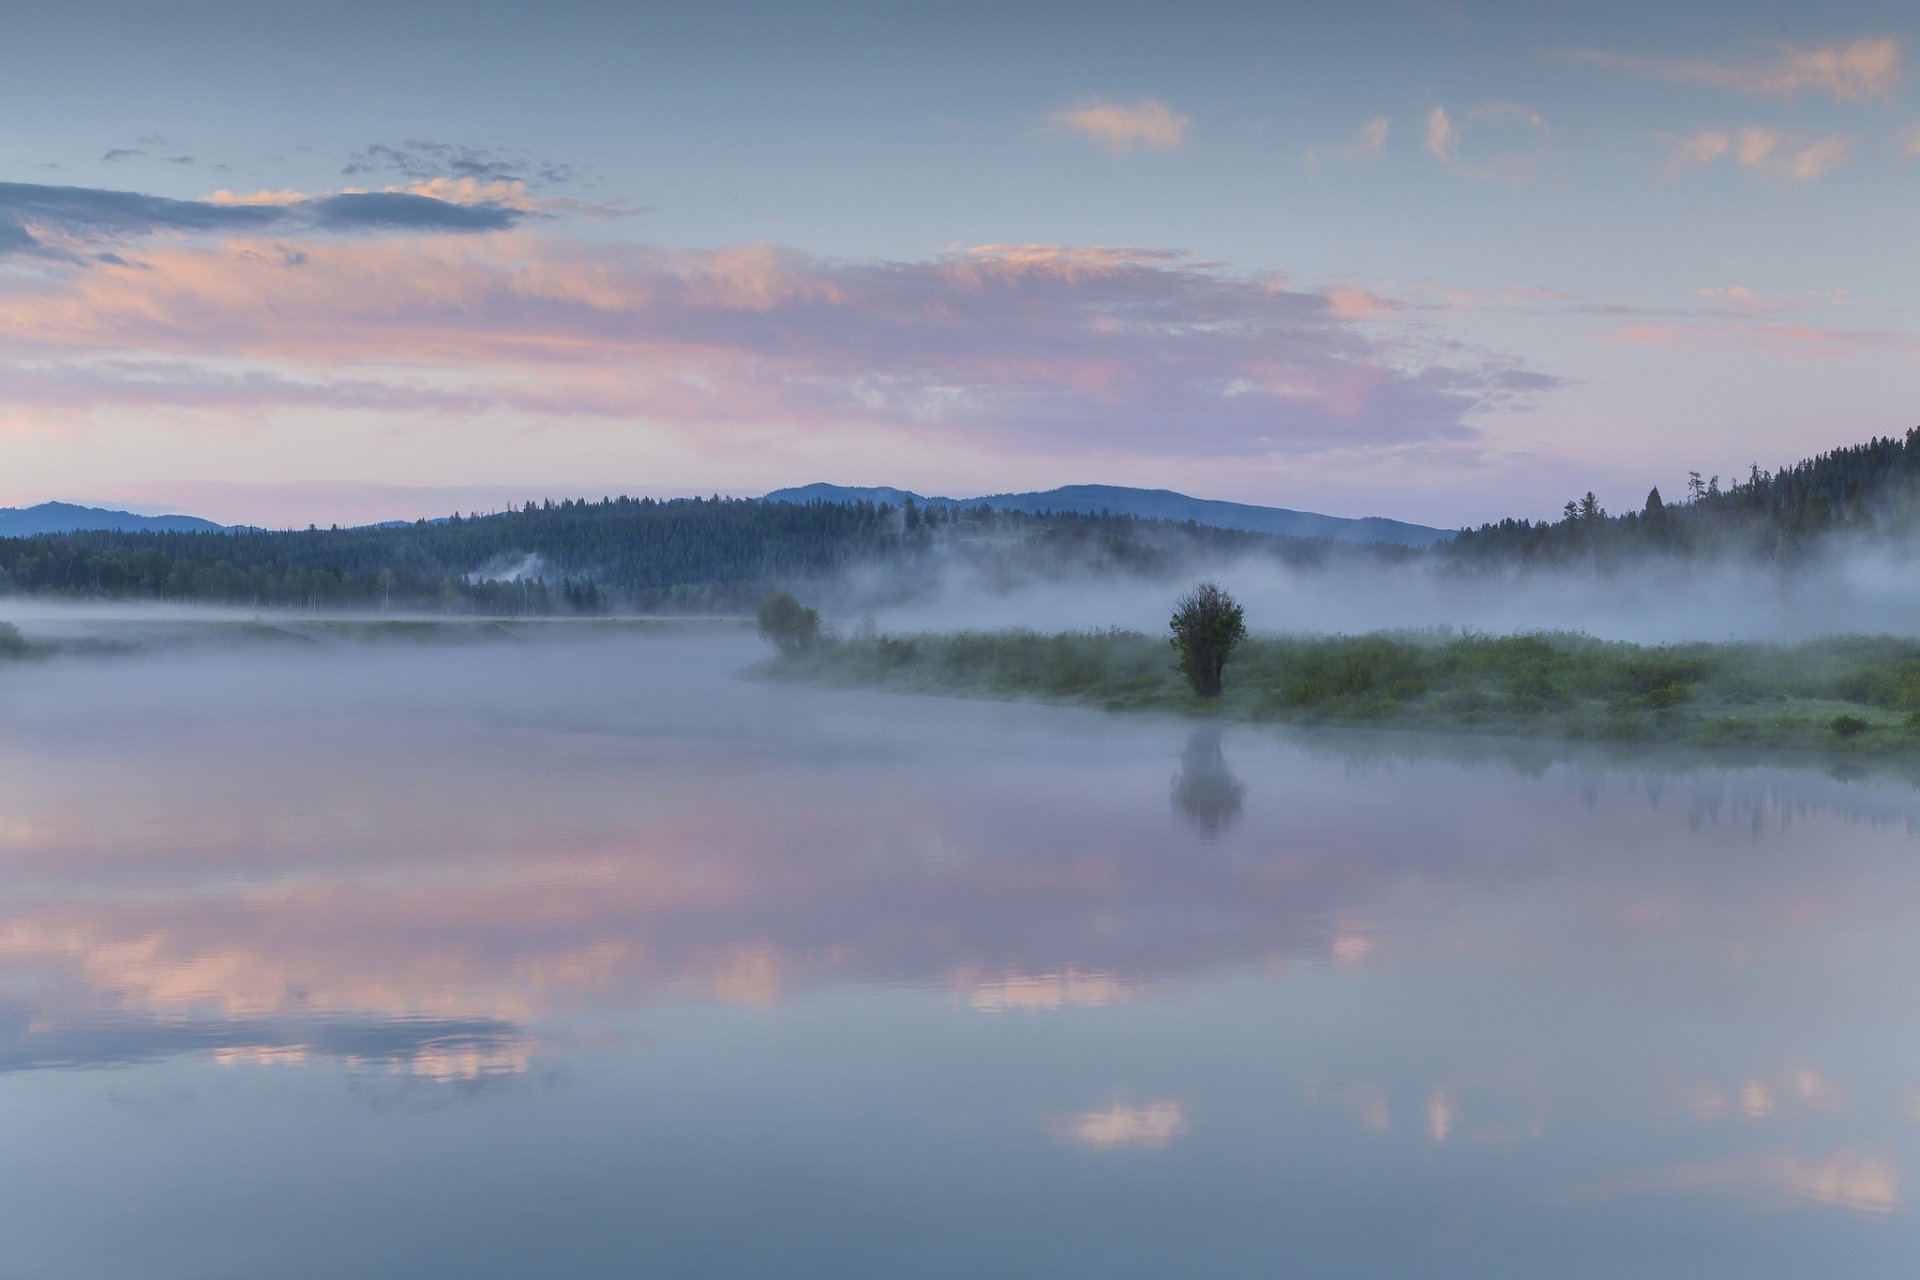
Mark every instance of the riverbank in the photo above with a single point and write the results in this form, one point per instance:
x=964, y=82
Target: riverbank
x=76, y=632
x=1856, y=694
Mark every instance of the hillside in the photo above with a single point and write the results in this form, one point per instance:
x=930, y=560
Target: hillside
x=628, y=553
x=1150, y=504
x=66, y=517
x=1868, y=491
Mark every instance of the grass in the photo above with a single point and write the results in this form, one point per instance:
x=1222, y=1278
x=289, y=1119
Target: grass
x=121, y=637
x=1854, y=694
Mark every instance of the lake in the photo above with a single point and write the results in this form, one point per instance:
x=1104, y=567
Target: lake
x=584, y=956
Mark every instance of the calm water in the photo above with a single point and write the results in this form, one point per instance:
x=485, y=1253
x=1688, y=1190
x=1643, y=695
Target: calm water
x=588, y=959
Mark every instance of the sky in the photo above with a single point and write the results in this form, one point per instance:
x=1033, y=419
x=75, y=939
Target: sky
x=1443, y=262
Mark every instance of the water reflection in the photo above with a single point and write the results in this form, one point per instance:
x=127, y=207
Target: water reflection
x=1862, y=1181
x=1122, y=1125
x=806, y=936
x=447, y=879
x=1205, y=789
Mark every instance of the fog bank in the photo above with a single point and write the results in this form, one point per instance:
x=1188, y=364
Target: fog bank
x=1650, y=601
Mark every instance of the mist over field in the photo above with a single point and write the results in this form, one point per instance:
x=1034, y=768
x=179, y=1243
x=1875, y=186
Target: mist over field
x=1849, y=587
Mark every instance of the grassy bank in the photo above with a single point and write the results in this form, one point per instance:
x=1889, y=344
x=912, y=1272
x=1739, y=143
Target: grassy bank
x=78, y=636
x=1848, y=693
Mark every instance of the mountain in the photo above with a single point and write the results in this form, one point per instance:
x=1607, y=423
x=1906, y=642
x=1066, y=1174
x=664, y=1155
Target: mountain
x=65, y=517
x=1153, y=504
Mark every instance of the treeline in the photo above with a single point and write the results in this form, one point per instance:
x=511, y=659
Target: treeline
x=1872, y=489
x=617, y=554
x=724, y=555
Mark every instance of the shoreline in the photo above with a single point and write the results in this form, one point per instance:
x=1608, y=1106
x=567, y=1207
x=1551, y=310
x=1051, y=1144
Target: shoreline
x=1840, y=696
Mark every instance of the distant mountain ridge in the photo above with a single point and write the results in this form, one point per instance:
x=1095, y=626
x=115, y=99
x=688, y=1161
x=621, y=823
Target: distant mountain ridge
x=1155, y=504
x=67, y=517
x=1085, y=499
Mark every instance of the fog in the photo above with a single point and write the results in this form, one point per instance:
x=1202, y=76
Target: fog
x=1842, y=586
x=1856, y=589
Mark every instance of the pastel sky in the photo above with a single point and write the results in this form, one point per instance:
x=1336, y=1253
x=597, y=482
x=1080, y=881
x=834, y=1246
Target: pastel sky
x=1445, y=262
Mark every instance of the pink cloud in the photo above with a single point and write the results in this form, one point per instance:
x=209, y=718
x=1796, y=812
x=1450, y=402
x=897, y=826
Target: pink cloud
x=1764, y=151
x=1697, y=150
x=1120, y=127
x=283, y=196
x=1365, y=143
x=1744, y=300
x=1350, y=302
x=1866, y=69
x=1519, y=134
x=1033, y=347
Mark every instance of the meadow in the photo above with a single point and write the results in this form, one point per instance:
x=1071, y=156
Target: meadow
x=1848, y=693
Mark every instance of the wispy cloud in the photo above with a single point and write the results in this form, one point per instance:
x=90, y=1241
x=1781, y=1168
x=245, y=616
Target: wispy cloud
x=1364, y=143
x=403, y=211
x=71, y=222
x=1120, y=127
x=1774, y=337
x=1369, y=140
x=1520, y=135
x=1443, y=140
x=1862, y=70
x=419, y=159
x=1350, y=302
x=495, y=193
x=1742, y=299
x=1767, y=152
x=1033, y=347
x=1697, y=150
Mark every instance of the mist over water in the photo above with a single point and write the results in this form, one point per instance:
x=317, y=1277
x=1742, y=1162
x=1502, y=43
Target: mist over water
x=570, y=951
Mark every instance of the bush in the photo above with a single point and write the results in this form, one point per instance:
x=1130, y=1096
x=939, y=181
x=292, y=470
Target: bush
x=789, y=626
x=12, y=643
x=1207, y=623
x=1844, y=726
x=1668, y=696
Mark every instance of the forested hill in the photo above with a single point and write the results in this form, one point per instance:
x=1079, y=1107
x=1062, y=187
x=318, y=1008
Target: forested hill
x=65, y=517
x=1151, y=504
x=618, y=554
x=1871, y=490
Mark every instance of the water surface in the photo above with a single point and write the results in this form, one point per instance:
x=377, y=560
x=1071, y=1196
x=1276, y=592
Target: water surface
x=585, y=957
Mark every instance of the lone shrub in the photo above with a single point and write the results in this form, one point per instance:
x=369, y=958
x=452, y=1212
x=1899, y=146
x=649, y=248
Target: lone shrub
x=789, y=626
x=1207, y=623
x=1847, y=726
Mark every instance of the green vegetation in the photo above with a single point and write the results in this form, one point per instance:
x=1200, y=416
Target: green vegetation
x=725, y=555
x=620, y=554
x=1207, y=623
x=1872, y=489
x=129, y=637
x=1856, y=693
x=786, y=624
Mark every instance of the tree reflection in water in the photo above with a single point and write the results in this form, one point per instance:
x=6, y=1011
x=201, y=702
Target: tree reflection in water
x=1206, y=790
